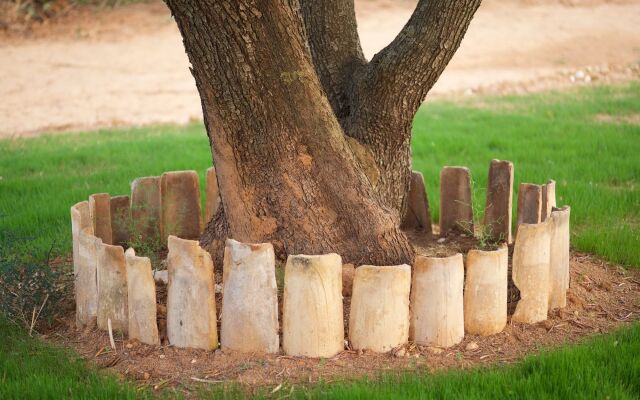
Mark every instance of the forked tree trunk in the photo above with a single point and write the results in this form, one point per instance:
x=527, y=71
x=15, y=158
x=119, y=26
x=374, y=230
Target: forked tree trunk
x=311, y=142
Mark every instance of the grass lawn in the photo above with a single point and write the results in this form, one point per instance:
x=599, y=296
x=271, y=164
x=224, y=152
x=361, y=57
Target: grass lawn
x=596, y=164
x=30, y=368
x=606, y=367
x=560, y=136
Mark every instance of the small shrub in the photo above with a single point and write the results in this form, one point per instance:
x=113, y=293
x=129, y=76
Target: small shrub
x=32, y=293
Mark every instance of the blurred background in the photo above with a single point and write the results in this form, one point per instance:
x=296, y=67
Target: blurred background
x=81, y=64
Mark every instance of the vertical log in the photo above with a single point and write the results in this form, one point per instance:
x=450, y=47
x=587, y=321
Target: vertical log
x=120, y=219
x=437, y=310
x=112, y=288
x=529, y=203
x=559, y=257
x=146, y=209
x=531, y=257
x=417, y=215
x=497, y=212
x=100, y=211
x=250, y=302
x=80, y=220
x=379, y=313
x=141, y=299
x=191, y=306
x=86, y=289
x=180, y=198
x=485, y=291
x=312, y=322
x=456, y=212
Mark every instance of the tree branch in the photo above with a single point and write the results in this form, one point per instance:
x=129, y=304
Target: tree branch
x=400, y=76
x=386, y=93
x=335, y=48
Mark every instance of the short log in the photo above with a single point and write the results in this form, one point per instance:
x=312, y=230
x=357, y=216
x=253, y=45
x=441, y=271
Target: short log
x=141, y=299
x=112, y=288
x=100, y=211
x=191, y=306
x=497, y=212
x=180, y=198
x=559, y=257
x=379, y=313
x=485, y=291
x=530, y=272
x=313, y=324
x=456, y=212
x=80, y=220
x=417, y=215
x=437, y=310
x=120, y=220
x=146, y=209
x=529, y=203
x=250, y=300
x=86, y=289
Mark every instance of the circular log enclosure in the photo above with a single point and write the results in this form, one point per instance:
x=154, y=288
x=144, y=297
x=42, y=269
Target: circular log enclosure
x=434, y=302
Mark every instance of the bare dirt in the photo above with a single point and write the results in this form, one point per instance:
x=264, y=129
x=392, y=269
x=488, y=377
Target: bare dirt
x=601, y=298
x=126, y=66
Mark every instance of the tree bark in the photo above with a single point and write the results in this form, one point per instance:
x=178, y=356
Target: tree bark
x=285, y=171
x=376, y=101
x=311, y=142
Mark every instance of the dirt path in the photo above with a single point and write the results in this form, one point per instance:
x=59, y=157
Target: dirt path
x=127, y=66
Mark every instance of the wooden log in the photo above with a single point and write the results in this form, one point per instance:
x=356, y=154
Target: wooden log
x=180, y=193
x=141, y=299
x=485, y=291
x=313, y=324
x=529, y=203
x=191, y=306
x=418, y=215
x=250, y=301
x=100, y=211
x=437, y=309
x=497, y=212
x=456, y=211
x=112, y=288
x=379, y=313
x=530, y=272
x=120, y=220
x=85, y=283
x=559, y=257
x=146, y=209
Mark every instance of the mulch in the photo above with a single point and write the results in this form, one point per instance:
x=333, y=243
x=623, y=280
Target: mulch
x=602, y=297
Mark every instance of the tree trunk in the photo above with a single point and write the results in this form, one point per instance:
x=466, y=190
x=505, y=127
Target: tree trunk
x=304, y=157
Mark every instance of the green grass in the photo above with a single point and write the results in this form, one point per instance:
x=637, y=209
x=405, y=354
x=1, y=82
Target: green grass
x=42, y=177
x=606, y=367
x=596, y=165
x=548, y=136
x=31, y=369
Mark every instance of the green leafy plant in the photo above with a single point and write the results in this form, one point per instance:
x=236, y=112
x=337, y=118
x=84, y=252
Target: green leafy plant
x=31, y=291
x=481, y=231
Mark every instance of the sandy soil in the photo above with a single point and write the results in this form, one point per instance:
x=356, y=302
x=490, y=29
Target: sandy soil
x=127, y=66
